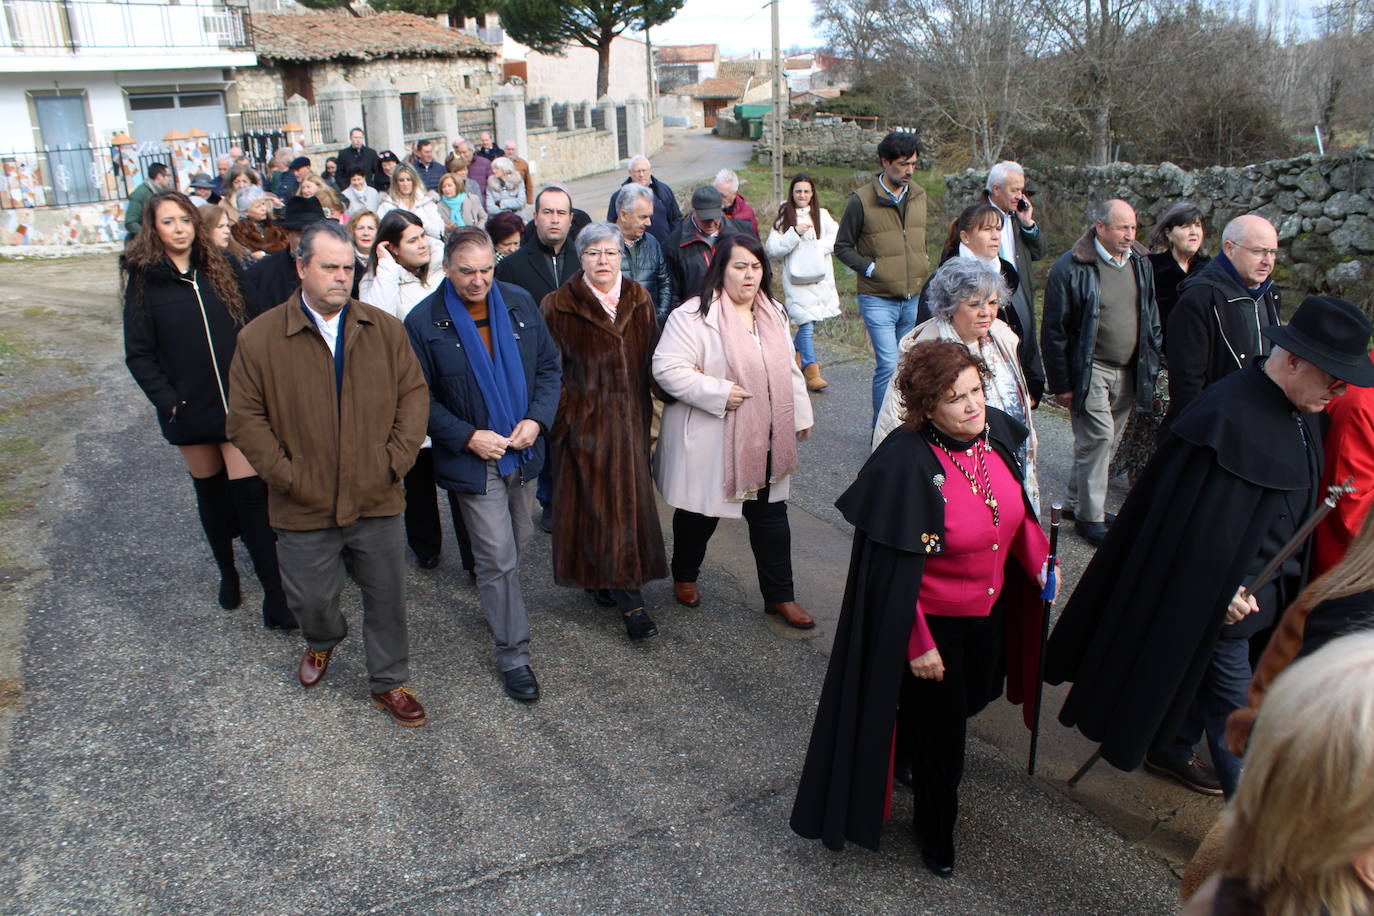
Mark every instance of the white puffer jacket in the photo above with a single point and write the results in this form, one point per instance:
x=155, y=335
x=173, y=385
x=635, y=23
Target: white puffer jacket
x=807, y=301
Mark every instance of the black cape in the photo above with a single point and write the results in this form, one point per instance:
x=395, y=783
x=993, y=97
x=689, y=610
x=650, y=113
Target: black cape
x=1137, y=635
x=898, y=516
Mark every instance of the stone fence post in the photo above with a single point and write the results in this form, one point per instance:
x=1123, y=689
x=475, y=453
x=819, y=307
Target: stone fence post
x=635, y=118
x=508, y=108
x=442, y=103
x=298, y=112
x=344, y=105
x=383, y=105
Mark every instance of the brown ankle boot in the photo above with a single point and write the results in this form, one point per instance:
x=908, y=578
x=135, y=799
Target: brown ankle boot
x=814, y=382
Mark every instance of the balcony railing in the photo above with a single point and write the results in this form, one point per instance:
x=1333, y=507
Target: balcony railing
x=96, y=27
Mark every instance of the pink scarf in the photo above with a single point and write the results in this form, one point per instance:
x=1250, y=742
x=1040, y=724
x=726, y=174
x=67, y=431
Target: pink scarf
x=766, y=422
x=609, y=301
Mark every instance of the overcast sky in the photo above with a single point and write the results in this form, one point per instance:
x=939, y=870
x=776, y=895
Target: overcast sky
x=738, y=26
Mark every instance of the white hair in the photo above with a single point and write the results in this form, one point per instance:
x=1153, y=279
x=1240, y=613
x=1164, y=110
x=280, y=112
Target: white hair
x=728, y=178
x=999, y=173
x=630, y=166
x=597, y=232
x=504, y=164
x=630, y=193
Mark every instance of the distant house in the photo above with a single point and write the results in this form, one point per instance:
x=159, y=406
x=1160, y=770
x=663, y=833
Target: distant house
x=711, y=95
x=683, y=65
x=300, y=53
x=815, y=96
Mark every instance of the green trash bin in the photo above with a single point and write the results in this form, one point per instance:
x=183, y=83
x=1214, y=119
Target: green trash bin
x=755, y=128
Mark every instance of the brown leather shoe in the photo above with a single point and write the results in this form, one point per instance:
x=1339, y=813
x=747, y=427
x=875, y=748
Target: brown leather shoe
x=686, y=594
x=313, y=665
x=402, y=706
x=792, y=614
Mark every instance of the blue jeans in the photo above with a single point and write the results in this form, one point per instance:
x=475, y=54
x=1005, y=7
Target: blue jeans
x=1221, y=693
x=888, y=321
x=803, y=343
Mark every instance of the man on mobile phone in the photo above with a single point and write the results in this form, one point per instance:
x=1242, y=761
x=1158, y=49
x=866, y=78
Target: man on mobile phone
x=1021, y=244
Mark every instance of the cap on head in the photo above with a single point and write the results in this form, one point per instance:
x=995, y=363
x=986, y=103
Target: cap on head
x=300, y=162
x=707, y=203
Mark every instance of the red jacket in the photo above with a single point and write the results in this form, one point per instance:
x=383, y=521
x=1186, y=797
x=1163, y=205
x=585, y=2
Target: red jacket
x=1349, y=453
x=742, y=212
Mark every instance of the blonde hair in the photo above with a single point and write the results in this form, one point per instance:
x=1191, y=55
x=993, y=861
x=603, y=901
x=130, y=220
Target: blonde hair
x=311, y=179
x=1305, y=807
x=331, y=202
x=417, y=187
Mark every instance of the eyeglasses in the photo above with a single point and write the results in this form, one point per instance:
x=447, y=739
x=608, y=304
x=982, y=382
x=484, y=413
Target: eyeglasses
x=1262, y=252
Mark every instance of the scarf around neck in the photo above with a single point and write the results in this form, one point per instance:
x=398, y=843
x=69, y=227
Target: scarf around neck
x=764, y=426
x=500, y=375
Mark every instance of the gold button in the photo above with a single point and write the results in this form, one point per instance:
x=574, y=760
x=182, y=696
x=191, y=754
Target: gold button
x=990, y=591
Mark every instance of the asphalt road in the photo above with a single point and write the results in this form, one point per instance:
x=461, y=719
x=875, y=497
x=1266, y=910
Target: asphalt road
x=689, y=158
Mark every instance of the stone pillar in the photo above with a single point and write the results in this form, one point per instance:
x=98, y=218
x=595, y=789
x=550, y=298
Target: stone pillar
x=636, y=111
x=606, y=105
x=545, y=110
x=298, y=112
x=383, y=105
x=442, y=103
x=508, y=104
x=586, y=113
x=342, y=103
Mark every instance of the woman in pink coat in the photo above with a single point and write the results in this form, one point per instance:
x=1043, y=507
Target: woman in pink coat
x=728, y=442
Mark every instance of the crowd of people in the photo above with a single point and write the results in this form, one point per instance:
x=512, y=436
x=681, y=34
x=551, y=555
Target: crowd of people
x=329, y=351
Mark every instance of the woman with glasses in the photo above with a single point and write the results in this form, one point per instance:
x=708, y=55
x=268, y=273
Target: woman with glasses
x=965, y=296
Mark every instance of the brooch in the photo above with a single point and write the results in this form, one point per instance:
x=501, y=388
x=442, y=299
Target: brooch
x=932, y=542
x=939, y=481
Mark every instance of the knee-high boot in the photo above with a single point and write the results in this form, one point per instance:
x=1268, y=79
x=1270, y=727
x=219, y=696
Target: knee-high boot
x=218, y=518
x=250, y=502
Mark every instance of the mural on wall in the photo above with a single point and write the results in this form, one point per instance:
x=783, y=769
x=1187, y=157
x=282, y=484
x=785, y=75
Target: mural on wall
x=89, y=224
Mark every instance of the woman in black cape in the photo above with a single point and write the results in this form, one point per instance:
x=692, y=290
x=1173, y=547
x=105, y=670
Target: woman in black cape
x=927, y=520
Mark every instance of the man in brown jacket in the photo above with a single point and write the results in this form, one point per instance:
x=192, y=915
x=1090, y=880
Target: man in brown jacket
x=329, y=404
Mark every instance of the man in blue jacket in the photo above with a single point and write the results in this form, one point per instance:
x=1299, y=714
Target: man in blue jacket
x=494, y=379
x=667, y=214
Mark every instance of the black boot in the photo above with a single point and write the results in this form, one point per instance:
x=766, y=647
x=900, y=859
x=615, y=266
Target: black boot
x=250, y=501
x=218, y=518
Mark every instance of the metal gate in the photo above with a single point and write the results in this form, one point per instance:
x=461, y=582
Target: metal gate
x=622, y=133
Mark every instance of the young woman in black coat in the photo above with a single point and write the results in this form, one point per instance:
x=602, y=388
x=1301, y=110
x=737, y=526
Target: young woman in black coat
x=183, y=307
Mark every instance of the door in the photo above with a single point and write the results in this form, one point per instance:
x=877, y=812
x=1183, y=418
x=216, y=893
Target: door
x=67, y=148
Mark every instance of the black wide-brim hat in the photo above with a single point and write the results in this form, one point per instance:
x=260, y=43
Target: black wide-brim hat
x=1331, y=334
x=301, y=212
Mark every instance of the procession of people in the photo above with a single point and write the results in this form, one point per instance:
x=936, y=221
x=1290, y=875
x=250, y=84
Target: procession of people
x=326, y=372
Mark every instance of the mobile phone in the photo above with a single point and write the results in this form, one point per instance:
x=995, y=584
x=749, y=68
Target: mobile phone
x=1022, y=204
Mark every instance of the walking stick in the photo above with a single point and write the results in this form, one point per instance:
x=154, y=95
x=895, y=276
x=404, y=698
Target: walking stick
x=1333, y=496
x=1047, y=596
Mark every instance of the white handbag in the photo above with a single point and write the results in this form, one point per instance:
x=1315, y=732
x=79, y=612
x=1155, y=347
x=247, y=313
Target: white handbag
x=806, y=265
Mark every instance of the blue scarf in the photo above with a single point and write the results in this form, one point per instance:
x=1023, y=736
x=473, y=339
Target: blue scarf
x=1230, y=269
x=500, y=375
x=455, y=207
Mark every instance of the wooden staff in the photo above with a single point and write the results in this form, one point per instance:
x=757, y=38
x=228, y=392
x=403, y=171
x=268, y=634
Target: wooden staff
x=1051, y=581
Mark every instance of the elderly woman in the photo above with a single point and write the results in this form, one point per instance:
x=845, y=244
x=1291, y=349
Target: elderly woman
x=728, y=444
x=965, y=295
x=505, y=187
x=254, y=229
x=239, y=177
x=505, y=229
x=1175, y=244
x=606, y=536
x=940, y=516
x=407, y=192
x=1299, y=835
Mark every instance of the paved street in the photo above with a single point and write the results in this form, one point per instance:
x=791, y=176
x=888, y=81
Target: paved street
x=689, y=158
x=162, y=758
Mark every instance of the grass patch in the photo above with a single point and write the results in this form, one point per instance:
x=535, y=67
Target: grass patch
x=834, y=184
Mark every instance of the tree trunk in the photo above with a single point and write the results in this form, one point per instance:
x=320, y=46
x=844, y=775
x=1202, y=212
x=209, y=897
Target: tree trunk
x=603, y=65
x=1102, y=130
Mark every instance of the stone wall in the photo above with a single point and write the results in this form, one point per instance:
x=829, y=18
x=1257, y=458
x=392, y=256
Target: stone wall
x=261, y=86
x=821, y=141
x=564, y=156
x=653, y=136
x=1322, y=207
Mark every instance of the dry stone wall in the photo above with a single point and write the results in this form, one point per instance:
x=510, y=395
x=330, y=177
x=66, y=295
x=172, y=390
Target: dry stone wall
x=1322, y=207
x=821, y=141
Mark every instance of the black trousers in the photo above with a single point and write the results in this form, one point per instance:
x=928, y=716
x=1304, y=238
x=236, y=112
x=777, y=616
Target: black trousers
x=934, y=717
x=424, y=533
x=770, y=536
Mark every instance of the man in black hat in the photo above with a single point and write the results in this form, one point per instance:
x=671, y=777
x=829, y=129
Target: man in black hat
x=203, y=190
x=290, y=182
x=692, y=244
x=1157, y=636
x=386, y=164
x=274, y=279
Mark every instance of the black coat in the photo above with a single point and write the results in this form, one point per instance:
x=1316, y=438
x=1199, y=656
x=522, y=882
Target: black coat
x=456, y=407
x=1168, y=277
x=1137, y=634
x=898, y=515
x=181, y=366
x=349, y=159
x=667, y=214
x=1028, y=351
x=273, y=280
x=1068, y=329
x=644, y=263
x=536, y=269
x=1214, y=329
x=1335, y=618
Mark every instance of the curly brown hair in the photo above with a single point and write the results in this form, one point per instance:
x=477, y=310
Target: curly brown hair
x=927, y=371
x=145, y=250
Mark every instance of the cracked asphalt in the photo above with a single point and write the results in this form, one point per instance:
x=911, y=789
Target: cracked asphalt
x=161, y=758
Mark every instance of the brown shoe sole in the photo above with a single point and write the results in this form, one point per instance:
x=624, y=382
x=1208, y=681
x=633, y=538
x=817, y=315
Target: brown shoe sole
x=395, y=718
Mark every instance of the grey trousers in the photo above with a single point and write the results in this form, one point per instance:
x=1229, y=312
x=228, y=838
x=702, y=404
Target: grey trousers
x=313, y=574
x=499, y=523
x=1097, y=429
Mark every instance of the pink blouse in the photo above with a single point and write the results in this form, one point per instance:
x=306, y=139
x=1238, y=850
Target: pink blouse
x=966, y=577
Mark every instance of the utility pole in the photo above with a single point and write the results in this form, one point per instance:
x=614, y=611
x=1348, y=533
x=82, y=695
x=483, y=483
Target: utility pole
x=649, y=75
x=778, y=102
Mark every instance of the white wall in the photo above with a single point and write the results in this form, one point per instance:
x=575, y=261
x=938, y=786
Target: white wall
x=572, y=78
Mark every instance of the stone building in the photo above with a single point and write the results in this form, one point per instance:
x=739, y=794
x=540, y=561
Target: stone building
x=301, y=53
x=682, y=65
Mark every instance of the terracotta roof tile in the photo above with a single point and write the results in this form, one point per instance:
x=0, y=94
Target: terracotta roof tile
x=716, y=87
x=332, y=36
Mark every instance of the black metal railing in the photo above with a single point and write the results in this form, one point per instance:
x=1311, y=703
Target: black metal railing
x=417, y=120
x=561, y=116
x=599, y=118
x=322, y=125
x=534, y=115
x=470, y=123
x=76, y=26
x=262, y=120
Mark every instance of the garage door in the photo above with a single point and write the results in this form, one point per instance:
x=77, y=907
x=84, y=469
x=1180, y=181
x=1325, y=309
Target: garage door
x=153, y=116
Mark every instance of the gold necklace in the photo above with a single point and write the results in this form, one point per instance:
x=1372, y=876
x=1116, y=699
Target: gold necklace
x=978, y=451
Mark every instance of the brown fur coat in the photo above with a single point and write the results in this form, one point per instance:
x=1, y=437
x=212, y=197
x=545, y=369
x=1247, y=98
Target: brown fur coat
x=605, y=521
